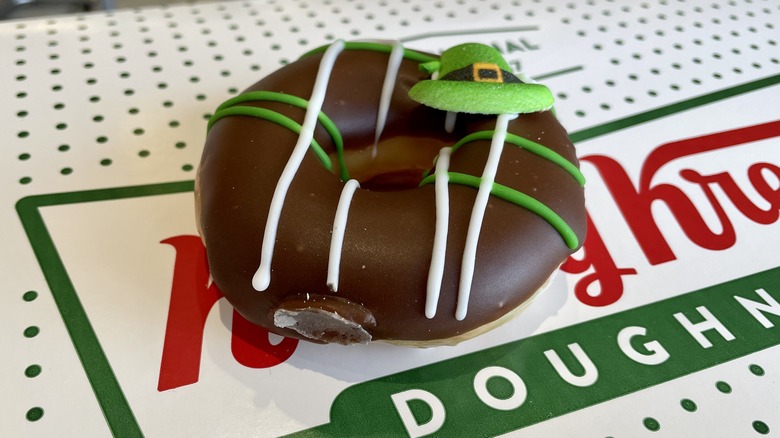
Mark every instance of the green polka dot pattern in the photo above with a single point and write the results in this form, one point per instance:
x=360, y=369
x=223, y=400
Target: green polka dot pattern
x=125, y=67
x=123, y=98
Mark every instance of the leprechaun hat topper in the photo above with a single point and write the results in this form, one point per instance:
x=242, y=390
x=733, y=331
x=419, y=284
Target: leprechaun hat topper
x=474, y=78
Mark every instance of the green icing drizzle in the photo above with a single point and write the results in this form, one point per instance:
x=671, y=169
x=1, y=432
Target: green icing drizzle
x=271, y=116
x=518, y=198
x=530, y=146
x=236, y=109
x=377, y=47
x=233, y=107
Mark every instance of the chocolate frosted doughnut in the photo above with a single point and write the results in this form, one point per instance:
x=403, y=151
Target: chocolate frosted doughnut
x=335, y=207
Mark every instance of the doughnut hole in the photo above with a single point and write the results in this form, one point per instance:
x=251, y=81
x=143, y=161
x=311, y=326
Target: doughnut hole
x=397, y=163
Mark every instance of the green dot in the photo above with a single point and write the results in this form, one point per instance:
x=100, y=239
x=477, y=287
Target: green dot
x=200, y=97
x=58, y=106
x=167, y=104
x=23, y=134
x=32, y=371
x=30, y=295
x=98, y=118
x=181, y=145
x=760, y=427
x=94, y=99
x=25, y=180
x=34, y=414
x=173, y=123
x=61, y=126
x=688, y=404
x=24, y=156
x=133, y=111
x=756, y=369
x=143, y=153
x=66, y=170
x=187, y=167
x=31, y=331
x=651, y=424
x=129, y=92
x=102, y=139
x=105, y=162
x=138, y=131
x=723, y=387
x=22, y=114
x=63, y=148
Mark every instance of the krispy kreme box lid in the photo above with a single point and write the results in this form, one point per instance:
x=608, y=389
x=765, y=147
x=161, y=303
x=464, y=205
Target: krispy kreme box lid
x=665, y=322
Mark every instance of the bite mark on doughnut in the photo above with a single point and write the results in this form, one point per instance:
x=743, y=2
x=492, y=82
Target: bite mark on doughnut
x=326, y=319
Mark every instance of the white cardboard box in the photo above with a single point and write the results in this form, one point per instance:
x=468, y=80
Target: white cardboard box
x=665, y=324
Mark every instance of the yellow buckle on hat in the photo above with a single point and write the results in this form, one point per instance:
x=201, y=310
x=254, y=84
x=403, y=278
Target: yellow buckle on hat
x=487, y=72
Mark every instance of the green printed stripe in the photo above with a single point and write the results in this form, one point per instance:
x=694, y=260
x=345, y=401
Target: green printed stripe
x=110, y=397
x=272, y=116
x=517, y=198
x=556, y=73
x=621, y=366
x=669, y=110
x=530, y=146
x=463, y=32
x=376, y=47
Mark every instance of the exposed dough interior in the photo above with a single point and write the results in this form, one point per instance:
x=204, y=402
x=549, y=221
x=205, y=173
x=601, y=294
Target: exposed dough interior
x=405, y=157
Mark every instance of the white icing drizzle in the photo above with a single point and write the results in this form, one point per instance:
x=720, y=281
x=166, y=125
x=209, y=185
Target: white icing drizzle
x=449, y=121
x=393, y=64
x=436, y=270
x=262, y=278
x=478, y=213
x=337, y=235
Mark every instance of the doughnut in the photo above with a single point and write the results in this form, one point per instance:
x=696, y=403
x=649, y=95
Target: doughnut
x=369, y=192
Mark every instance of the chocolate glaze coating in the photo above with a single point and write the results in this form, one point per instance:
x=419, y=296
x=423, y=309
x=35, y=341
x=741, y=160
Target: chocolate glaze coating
x=389, y=234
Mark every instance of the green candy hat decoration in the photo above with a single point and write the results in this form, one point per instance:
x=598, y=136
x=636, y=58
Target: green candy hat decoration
x=474, y=78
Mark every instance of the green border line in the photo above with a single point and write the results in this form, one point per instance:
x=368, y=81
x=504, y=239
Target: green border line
x=118, y=413
x=657, y=113
x=119, y=416
x=423, y=36
x=556, y=73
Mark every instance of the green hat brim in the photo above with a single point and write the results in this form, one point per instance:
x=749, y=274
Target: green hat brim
x=482, y=97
